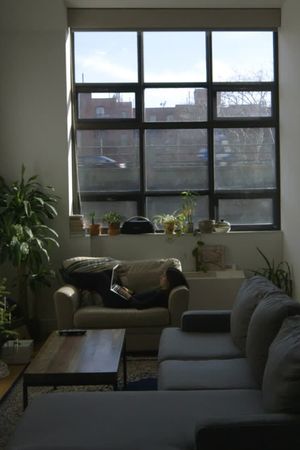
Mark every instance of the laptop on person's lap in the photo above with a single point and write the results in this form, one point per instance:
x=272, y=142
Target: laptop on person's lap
x=115, y=287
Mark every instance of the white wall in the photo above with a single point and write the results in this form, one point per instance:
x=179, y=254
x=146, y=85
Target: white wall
x=289, y=70
x=33, y=130
x=240, y=248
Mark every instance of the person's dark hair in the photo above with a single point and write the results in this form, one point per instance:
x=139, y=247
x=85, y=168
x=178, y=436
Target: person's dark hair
x=175, y=278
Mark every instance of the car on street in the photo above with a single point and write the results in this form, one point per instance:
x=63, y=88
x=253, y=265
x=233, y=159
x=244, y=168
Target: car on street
x=99, y=161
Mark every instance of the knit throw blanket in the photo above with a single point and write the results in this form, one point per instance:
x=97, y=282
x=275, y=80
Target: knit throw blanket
x=88, y=264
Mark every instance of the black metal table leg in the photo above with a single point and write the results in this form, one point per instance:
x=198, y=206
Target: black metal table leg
x=25, y=395
x=124, y=365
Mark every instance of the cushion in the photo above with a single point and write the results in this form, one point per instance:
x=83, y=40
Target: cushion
x=251, y=292
x=177, y=344
x=143, y=275
x=205, y=374
x=281, y=381
x=147, y=421
x=95, y=317
x=264, y=326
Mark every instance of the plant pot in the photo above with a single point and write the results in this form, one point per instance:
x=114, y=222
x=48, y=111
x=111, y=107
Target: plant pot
x=190, y=227
x=169, y=228
x=113, y=229
x=206, y=226
x=4, y=370
x=222, y=227
x=94, y=229
x=103, y=230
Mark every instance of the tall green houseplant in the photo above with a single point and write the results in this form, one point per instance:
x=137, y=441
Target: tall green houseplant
x=280, y=274
x=25, y=236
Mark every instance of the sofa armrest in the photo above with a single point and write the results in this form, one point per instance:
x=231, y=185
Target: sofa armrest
x=261, y=432
x=178, y=303
x=206, y=321
x=66, y=302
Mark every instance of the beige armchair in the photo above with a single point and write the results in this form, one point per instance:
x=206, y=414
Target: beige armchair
x=143, y=327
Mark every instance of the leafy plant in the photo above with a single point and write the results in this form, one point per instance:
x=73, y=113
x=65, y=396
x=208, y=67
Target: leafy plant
x=164, y=219
x=92, y=216
x=112, y=217
x=279, y=274
x=188, y=205
x=25, y=238
x=5, y=315
x=170, y=222
x=197, y=251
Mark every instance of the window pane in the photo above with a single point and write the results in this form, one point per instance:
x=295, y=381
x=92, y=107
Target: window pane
x=108, y=160
x=112, y=105
x=102, y=56
x=242, y=56
x=244, y=104
x=176, y=159
x=168, y=205
x=244, y=158
x=125, y=208
x=247, y=211
x=175, y=105
x=174, y=56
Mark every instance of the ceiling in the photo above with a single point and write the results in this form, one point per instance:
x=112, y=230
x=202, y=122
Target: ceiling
x=174, y=3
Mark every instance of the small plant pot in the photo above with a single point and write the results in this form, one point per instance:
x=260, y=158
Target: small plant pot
x=190, y=227
x=206, y=226
x=94, y=229
x=169, y=228
x=104, y=230
x=113, y=229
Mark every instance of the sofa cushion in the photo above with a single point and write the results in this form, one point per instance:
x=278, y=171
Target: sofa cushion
x=161, y=420
x=103, y=317
x=177, y=344
x=205, y=374
x=142, y=275
x=251, y=292
x=281, y=381
x=263, y=327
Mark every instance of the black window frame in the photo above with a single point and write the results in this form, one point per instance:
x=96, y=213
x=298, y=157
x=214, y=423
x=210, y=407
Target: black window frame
x=212, y=122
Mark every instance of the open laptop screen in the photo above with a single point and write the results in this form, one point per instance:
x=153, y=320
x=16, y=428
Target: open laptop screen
x=115, y=287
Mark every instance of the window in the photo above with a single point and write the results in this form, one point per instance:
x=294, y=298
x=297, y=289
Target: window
x=161, y=112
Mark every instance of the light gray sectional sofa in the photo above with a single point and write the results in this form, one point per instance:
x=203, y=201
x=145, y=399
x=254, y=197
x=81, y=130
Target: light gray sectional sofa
x=225, y=349
x=227, y=381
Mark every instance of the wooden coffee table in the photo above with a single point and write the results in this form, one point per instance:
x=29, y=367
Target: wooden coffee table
x=91, y=359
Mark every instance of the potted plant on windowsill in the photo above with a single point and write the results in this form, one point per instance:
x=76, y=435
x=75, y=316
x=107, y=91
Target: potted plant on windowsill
x=25, y=236
x=170, y=222
x=94, y=227
x=113, y=219
x=188, y=209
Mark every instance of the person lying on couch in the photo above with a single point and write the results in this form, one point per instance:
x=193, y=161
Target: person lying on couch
x=170, y=279
x=100, y=282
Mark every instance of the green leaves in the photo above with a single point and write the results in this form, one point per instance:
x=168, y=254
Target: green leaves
x=279, y=274
x=25, y=236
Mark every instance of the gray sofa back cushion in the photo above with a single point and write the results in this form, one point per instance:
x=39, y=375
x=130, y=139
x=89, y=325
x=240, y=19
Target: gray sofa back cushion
x=281, y=382
x=251, y=292
x=264, y=325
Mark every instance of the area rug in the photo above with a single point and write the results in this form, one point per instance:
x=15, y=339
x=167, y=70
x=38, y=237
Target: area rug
x=141, y=375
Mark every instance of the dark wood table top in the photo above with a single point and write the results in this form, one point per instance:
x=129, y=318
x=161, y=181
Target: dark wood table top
x=96, y=352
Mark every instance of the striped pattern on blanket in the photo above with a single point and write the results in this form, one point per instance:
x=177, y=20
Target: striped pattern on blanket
x=88, y=264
